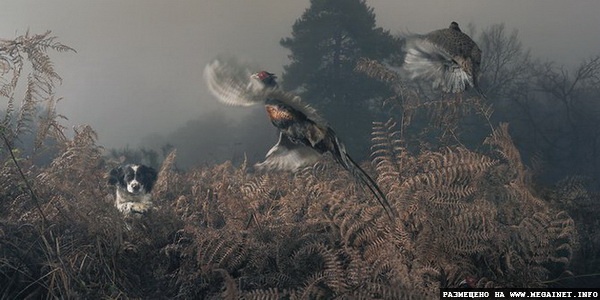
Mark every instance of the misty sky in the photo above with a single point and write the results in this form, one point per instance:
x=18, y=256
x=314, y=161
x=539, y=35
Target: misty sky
x=138, y=66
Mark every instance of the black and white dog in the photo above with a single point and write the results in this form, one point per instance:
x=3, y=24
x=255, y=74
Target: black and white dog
x=134, y=184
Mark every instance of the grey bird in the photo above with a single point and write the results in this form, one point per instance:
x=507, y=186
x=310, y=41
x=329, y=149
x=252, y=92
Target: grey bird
x=448, y=57
x=304, y=136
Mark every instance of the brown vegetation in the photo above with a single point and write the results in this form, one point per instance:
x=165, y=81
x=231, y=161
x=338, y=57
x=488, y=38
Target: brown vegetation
x=224, y=231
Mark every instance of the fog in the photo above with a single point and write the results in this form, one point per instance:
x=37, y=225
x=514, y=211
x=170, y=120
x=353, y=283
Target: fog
x=137, y=73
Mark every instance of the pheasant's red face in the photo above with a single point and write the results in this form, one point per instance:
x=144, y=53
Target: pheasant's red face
x=268, y=79
x=277, y=114
x=262, y=75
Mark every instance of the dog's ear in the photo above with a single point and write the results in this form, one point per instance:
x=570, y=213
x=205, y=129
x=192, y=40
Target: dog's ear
x=115, y=175
x=152, y=176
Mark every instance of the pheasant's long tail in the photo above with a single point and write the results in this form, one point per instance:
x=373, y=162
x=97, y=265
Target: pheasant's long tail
x=342, y=157
x=365, y=179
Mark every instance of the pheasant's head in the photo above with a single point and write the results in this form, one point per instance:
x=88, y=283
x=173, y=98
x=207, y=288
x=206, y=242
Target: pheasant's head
x=265, y=78
x=454, y=26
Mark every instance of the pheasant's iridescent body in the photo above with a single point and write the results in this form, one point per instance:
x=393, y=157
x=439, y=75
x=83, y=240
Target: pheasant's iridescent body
x=303, y=135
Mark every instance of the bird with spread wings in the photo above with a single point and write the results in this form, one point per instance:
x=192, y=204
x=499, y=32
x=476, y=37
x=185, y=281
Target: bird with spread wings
x=304, y=136
x=448, y=57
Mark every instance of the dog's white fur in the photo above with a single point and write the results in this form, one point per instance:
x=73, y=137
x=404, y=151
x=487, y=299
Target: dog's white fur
x=133, y=184
x=127, y=203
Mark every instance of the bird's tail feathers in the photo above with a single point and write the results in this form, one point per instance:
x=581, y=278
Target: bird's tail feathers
x=365, y=179
x=358, y=173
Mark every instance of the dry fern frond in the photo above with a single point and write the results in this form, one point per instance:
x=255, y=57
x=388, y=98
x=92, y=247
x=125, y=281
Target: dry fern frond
x=269, y=294
x=231, y=290
x=375, y=69
x=501, y=140
x=29, y=52
x=49, y=125
x=331, y=273
x=387, y=151
x=447, y=168
x=165, y=175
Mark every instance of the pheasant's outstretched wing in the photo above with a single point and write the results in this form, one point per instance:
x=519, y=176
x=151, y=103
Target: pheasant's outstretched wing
x=448, y=57
x=427, y=60
x=288, y=156
x=230, y=82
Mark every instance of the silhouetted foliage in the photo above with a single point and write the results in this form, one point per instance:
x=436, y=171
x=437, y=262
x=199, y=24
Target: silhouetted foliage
x=326, y=42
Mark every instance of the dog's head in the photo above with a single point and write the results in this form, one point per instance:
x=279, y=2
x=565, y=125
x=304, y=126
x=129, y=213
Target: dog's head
x=135, y=179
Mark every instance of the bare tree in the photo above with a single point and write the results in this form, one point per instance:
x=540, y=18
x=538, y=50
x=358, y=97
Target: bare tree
x=568, y=115
x=553, y=111
x=506, y=65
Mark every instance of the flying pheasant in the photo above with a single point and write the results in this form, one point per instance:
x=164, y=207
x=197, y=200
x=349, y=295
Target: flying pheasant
x=303, y=135
x=448, y=57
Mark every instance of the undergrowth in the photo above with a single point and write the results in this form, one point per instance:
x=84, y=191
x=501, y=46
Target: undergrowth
x=226, y=231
